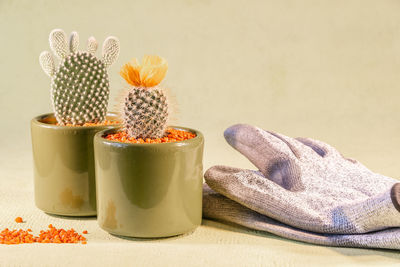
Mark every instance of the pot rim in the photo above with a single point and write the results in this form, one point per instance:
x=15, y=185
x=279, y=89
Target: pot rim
x=198, y=139
x=37, y=121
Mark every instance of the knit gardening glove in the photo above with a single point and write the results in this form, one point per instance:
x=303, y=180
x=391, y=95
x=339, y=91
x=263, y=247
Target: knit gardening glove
x=306, y=184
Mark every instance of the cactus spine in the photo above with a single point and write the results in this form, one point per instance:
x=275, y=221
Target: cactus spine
x=80, y=85
x=145, y=109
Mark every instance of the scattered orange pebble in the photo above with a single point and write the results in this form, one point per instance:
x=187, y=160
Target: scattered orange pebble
x=85, y=232
x=106, y=122
x=18, y=220
x=171, y=135
x=52, y=235
x=15, y=237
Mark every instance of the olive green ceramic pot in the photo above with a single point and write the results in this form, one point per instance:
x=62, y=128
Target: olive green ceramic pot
x=64, y=175
x=149, y=190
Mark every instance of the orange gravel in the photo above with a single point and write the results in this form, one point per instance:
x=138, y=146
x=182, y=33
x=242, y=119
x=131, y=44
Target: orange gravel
x=13, y=237
x=51, y=235
x=105, y=123
x=171, y=135
x=54, y=235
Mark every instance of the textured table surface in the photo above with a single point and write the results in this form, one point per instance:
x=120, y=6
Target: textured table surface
x=212, y=244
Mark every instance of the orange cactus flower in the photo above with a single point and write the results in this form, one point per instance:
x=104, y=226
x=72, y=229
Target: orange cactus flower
x=149, y=73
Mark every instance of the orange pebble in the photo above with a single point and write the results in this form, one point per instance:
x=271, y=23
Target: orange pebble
x=85, y=232
x=171, y=135
x=18, y=220
x=52, y=235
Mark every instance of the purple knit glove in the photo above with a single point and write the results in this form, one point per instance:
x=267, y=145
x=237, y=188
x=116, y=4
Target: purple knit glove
x=306, y=184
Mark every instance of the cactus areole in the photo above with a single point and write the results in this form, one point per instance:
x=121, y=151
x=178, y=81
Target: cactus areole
x=145, y=108
x=79, y=85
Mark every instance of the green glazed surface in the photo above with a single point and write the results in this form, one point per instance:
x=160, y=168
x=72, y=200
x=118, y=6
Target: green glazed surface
x=64, y=175
x=149, y=190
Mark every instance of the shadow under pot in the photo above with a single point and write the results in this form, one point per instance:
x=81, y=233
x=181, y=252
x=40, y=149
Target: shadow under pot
x=149, y=190
x=64, y=174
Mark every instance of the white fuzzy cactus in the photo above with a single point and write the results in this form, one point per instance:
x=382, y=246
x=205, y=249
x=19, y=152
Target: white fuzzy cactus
x=80, y=86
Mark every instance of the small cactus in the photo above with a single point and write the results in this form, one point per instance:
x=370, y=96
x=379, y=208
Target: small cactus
x=79, y=86
x=145, y=109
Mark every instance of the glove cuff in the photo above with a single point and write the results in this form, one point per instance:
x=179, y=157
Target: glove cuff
x=395, y=196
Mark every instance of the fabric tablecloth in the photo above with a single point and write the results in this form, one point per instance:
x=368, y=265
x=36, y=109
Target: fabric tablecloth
x=211, y=244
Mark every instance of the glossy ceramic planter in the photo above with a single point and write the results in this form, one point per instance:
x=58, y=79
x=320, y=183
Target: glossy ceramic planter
x=149, y=190
x=64, y=175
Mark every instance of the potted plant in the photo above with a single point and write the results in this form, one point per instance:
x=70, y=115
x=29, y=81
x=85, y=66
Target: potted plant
x=62, y=141
x=148, y=176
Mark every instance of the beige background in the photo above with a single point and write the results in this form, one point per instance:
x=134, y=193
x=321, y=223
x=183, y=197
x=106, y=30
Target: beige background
x=323, y=69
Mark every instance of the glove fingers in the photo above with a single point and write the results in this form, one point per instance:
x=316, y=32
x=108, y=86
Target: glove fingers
x=218, y=207
x=259, y=146
x=298, y=148
x=321, y=148
x=251, y=189
x=395, y=196
x=282, y=173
